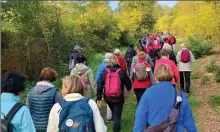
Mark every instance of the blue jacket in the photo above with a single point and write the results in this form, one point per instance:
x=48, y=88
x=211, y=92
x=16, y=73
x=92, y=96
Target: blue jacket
x=102, y=66
x=156, y=104
x=22, y=121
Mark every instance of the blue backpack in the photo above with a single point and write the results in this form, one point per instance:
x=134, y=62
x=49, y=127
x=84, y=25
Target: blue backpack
x=76, y=116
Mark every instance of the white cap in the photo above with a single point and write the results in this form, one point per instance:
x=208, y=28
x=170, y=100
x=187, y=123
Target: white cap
x=77, y=47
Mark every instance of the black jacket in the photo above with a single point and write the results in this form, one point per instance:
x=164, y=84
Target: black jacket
x=130, y=53
x=125, y=81
x=172, y=57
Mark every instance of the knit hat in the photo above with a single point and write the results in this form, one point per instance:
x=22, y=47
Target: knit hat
x=117, y=51
x=13, y=82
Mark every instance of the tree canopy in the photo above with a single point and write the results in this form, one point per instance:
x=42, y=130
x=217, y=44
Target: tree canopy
x=36, y=34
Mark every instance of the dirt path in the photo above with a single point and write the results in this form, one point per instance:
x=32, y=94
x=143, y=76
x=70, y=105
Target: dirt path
x=208, y=119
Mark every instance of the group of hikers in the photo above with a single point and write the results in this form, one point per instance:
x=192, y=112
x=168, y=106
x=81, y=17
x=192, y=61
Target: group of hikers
x=152, y=70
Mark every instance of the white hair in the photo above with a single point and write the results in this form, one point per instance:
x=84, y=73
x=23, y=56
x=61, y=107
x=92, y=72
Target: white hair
x=167, y=47
x=108, y=55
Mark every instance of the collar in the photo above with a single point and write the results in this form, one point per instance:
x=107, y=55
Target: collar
x=164, y=82
x=10, y=97
x=80, y=64
x=73, y=97
x=105, y=60
x=45, y=83
x=164, y=58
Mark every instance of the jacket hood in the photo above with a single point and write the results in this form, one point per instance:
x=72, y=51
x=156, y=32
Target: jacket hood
x=105, y=61
x=80, y=68
x=43, y=86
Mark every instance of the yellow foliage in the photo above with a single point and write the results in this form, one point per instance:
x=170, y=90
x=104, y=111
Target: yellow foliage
x=129, y=20
x=191, y=17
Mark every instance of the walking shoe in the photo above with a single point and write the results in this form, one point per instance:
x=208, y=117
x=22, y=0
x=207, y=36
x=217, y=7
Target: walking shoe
x=187, y=95
x=109, y=120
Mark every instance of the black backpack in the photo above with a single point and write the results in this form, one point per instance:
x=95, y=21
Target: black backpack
x=129, y=55
x=153, y=54
x=6, y=125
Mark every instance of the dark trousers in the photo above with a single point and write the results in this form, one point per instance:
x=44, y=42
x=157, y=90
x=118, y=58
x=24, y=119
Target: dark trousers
x=139, y=93
x=129, y=67
x=185, y=81
x=116, y=109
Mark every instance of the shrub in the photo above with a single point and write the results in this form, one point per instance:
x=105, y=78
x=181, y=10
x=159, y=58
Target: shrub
x=205, y=79
x=215, y=102
x=217, y=74
x=200, y=46
x=195, y=75
x=211, y=67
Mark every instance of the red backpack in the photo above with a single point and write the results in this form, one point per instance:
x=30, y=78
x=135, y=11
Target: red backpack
x=185, y=56
x=172, y=40
x=113, y=83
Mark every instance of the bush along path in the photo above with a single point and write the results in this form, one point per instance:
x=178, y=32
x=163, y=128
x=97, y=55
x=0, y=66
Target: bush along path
x=205, y=100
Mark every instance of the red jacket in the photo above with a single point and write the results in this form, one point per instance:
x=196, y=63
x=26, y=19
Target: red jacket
x=142, y=84
x=173, y=67
x=122, y=62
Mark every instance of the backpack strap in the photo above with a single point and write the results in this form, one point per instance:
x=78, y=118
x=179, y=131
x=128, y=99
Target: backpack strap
x=107, y=69
x=178, y=99
x=13, y=111
x=83, y=72
x=118, y=70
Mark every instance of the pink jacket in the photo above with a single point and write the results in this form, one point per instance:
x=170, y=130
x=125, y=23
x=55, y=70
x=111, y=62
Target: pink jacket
x=173, y=67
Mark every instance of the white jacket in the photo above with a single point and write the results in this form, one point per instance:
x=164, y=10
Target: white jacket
x=55, y=111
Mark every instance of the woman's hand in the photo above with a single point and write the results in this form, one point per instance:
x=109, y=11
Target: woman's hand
x=99, y=102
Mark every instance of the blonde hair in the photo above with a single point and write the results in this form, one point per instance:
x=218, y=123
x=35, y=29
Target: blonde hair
x=141, y=55
x=117, y=51
x=163, y=73
x=72, y=84
x=182, y=45
x=113, y=60
x=167, y=47
x=139, y=49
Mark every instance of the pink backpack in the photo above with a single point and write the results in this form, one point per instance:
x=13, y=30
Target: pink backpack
x=113, y=83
